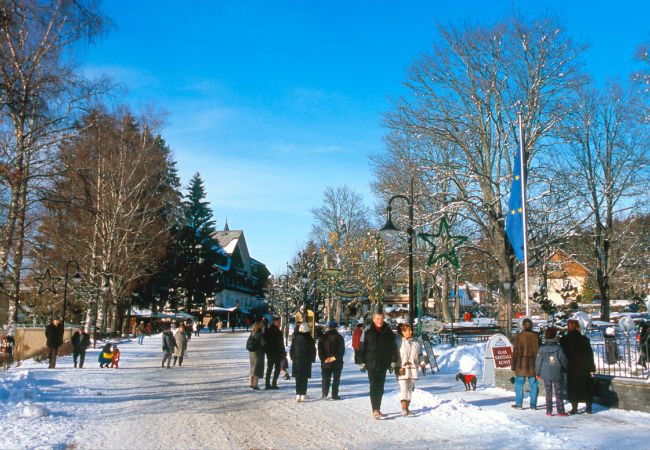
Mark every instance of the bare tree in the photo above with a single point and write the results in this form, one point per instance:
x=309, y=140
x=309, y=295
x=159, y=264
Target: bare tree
x=342, y=211
x=606, y=166
x=463, y=100
x=40, y=93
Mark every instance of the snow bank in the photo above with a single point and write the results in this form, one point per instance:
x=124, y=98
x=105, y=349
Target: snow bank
x=463, y=358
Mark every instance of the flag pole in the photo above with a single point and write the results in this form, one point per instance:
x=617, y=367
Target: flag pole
x=522, y=162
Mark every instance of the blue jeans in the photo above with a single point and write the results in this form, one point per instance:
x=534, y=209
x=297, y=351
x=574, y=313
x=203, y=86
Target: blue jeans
x=519, y=390
x=140, y=338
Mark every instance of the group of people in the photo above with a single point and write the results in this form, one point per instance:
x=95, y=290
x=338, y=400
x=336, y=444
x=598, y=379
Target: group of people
x=571, y=359
x=377, y=351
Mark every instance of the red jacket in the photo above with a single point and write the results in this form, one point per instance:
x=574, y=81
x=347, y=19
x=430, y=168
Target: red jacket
x=356, y=338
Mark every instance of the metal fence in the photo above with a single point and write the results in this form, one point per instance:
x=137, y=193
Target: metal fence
x=622, y=358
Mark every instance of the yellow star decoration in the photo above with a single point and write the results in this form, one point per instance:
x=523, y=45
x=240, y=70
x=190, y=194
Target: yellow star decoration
x=517, y=177
x=520, y=210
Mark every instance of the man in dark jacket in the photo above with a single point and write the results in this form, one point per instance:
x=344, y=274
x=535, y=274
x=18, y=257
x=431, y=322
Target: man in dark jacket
x=378, y=352
x=54, y=339
x=524, y=354
x=80, y=342
x=580, y=356
x=274, y=349
x=168, y=345
x=331, y=349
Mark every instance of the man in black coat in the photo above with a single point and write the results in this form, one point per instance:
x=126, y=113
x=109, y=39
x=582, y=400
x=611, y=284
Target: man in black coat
x=80, y=342
x=54, y=339
x=331, y=349
x=378, y=352
x=274, y=349
x=580, y=356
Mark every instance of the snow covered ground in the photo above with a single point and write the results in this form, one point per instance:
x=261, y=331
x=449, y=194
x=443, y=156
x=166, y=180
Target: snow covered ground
x=207, y=404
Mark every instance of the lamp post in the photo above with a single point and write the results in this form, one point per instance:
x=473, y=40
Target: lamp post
x=282, y=280
x=508, y=288
x=390, y=226
x=76, y=279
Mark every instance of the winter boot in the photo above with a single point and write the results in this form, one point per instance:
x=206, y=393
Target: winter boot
x=298, y=398
x=250, y=382
x=588, y=408
x=574, y=408
x=404, y=408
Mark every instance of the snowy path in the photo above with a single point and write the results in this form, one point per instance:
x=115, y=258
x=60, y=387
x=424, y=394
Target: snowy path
x=207, y=404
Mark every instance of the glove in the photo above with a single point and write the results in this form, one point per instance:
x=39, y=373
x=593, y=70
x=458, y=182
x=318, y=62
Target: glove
x=362, y=367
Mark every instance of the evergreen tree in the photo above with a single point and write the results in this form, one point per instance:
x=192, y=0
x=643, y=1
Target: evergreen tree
x=200, y=255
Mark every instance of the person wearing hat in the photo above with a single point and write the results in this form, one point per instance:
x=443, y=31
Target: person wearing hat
x=331, y=348
x=303, y=354
x=54, y=339
x=524, y=355
x=378, y=353
x=580, y=384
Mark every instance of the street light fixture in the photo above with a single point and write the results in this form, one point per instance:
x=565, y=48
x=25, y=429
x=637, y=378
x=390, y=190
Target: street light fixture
x=390, y=226
x=76, y=279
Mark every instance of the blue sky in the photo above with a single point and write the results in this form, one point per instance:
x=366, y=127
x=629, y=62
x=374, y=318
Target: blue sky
x=273, y=101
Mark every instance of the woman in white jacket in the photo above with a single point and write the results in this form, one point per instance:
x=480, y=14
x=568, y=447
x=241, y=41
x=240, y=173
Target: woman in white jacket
x=411, y=359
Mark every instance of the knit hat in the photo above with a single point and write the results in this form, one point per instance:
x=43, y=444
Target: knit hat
x=610, y=331
x=304, y=328
x=332, y=324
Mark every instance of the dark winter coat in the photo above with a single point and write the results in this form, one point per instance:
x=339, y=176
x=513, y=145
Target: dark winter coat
x=257, y=357
x=524, y=353
x=580, y=356
x=331, y=344
x=378, y=349
x=54, y=334
x=303, y=354
x=80, y=341
x=168, y=342
x=274, y=342
x=551, y=362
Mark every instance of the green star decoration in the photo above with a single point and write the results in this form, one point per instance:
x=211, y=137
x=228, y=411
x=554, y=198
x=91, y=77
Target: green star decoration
x=47, y=283
x=452, y=243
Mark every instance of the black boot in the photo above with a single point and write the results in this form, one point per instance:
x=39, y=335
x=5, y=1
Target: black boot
x=589, y=409
x=574, y=408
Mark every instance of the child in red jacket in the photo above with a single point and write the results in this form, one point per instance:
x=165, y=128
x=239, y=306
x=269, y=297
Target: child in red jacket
x=116, y=357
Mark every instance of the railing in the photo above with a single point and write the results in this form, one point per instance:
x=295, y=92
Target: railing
x=621, y=359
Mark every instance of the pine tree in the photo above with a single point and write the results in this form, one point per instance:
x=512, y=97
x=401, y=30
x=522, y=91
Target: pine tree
x=200, y=255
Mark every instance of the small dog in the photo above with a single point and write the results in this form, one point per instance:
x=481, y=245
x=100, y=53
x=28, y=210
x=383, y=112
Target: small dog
x=468, y=380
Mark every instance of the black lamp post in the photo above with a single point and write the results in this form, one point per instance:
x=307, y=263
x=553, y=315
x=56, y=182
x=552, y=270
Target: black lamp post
x=390, y=226
x=76, y=279
x=282, y=280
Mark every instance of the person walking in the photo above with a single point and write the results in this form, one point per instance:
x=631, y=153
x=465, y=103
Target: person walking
x=181, y=345
x=410, y=360
x=219, y=324
x=168, y=345
x=378, y=353
x=142, y=329
x=274, y=349
x=303, y=354
x=53, y=340
x=196, y=328
x=80, y=343
x=524, y=354
x=331, y=348
x=356, y=340
x=580, y=356
x=550, y=365
x=255, y=346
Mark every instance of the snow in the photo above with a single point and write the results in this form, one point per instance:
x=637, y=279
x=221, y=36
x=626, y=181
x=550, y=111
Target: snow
x=207, y=404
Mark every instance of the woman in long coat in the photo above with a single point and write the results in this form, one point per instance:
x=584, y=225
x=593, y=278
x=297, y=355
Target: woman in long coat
x=303, y=354
x=580, y=356
x=256, y=356
x=181, y=345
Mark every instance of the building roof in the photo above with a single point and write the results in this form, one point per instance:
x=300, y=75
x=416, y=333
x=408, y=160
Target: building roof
x=228, y=239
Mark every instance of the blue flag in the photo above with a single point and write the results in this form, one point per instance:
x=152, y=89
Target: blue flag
x=515, y=217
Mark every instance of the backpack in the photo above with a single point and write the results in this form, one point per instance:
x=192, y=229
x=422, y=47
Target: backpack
x=251, y=344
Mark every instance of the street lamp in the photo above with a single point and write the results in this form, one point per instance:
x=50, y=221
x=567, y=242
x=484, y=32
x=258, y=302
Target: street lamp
x=390, y=226
x=282, y=280
x=76, y=279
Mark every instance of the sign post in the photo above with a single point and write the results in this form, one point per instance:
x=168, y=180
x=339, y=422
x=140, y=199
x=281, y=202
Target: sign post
x=498, y=355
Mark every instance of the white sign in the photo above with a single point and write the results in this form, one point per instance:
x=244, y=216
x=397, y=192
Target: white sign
x=496, y=342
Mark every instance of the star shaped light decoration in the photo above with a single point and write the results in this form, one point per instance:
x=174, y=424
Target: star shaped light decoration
x=451, y=244
x=47, y=283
